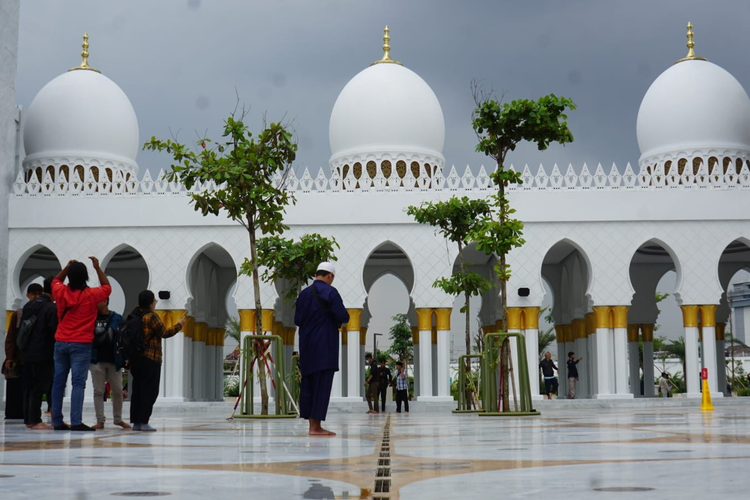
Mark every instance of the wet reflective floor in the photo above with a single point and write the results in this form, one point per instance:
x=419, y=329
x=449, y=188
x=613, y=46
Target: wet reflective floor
x=589, y=453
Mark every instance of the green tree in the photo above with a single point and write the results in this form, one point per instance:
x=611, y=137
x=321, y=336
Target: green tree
x=677, y=348
x=736, y=368
x=246, y=170
x=658, y=345
x=232, y=329
x=294, y=262
x=546, y=337
x=660, y=350
x=457, y=220
x=499, y=128
x=402, y=347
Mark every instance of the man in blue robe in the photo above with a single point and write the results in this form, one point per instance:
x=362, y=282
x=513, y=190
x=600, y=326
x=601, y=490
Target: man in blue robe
x=319, y=314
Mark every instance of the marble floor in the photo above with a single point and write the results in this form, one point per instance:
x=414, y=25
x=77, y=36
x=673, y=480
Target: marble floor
x=644, y=452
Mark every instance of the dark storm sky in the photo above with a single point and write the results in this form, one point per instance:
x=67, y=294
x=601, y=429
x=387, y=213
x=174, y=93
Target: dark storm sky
x=179, y=61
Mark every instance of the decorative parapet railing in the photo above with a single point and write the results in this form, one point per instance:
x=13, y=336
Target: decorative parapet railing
x=659, y=176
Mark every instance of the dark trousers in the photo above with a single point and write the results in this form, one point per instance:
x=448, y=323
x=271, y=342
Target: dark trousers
x=383, y=389
x=14, y=389
x=550, y=385
x=38, y=376
x=146, y=375
x=315, y=394
x=402, y=395
x=372, y=395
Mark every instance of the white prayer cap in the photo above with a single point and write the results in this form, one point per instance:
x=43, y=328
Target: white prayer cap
x=327, y=266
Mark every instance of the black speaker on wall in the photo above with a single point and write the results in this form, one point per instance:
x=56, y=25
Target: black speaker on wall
x=164, y=295
x=523, y=292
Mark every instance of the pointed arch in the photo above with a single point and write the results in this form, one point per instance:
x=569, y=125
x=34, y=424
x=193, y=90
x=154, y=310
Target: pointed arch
x=210, y=260
x=130, y=270
x=394, y=258
x=561, y=249
x=37, y=261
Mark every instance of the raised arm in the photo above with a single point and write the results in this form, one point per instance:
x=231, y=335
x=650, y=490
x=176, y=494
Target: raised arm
x=157, y=329
x=64, y=273
x=103, y=280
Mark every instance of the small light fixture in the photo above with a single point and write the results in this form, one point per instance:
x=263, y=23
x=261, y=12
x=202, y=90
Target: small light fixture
x=164, y=295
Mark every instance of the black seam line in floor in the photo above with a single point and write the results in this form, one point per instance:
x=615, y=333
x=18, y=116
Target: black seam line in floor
x=382, y=488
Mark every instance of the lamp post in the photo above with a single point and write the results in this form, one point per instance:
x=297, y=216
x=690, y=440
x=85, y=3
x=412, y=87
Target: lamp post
x=375, y=346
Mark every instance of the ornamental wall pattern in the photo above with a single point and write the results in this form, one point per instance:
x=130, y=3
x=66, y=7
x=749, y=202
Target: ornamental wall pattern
x=92, y=178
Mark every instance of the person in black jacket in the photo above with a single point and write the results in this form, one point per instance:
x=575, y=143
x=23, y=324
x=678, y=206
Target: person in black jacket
x=572, y=374
x=384, y=381
x=548, y=371
x=38, y=353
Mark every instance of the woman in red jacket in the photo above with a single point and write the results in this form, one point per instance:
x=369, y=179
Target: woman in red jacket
x=76, y=312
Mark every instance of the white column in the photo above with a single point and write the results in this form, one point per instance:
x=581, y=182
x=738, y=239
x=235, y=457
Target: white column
x=708, y=351
x=210, y=374
x=532, y=346
x=691, y=362
x=580, y=350
x=721, y=366
x=176, y=381
x=354, y=380
x=648, y=369
x=199, y=370
x=443, y=364
x=425, y=365
x=635, y=369
x=561, y=356
x=603, y=363
x=416, y=373
x=593, y=366
x=622, y=389
x=187, y=370
x=336, y=390
x=514, y=360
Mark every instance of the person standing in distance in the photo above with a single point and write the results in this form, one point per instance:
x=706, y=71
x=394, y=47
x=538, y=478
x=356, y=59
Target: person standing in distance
x=550, y=382
x=319, y=313
x=402, y=387
x=572, y=374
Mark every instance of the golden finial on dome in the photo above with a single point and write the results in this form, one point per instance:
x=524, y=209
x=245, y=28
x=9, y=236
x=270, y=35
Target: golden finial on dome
x=690, y=45
x=85, y=55
x=386, y=50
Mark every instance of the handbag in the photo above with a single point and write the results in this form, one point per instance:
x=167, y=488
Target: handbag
x=13, y=372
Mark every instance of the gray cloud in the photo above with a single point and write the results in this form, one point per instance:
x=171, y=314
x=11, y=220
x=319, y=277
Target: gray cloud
x=180, y=61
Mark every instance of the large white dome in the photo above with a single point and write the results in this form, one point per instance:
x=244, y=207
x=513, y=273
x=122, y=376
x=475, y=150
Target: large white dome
x=694, y=106
x=81, y=113
x=387, y=109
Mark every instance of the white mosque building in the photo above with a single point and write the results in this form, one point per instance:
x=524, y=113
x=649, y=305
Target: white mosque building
x=600, y=238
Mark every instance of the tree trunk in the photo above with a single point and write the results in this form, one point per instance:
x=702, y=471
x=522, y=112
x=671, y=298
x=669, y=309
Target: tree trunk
x=258, y=346
x=504, y=351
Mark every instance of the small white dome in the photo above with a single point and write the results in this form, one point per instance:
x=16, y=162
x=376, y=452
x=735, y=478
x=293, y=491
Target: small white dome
x=693, y=105
x=387, y=108
x=81, y=112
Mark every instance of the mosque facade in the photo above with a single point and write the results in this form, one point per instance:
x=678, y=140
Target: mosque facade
x=600, y=237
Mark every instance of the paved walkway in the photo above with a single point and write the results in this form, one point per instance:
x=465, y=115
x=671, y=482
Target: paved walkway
x=648, y=452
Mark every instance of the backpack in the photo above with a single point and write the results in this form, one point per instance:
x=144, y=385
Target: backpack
x=129, y=339
x=24, y=332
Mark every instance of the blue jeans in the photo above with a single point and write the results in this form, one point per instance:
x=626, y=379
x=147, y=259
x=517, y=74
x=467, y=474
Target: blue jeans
x=73, y=358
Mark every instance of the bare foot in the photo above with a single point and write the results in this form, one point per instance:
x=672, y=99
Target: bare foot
x=41, y=426
x=321, y=432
